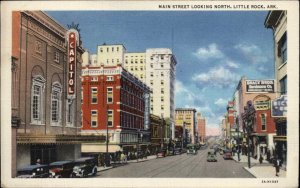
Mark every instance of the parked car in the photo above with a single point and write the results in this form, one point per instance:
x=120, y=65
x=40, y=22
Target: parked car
x=211, y=157
x=191, y=149
x=161, y=153
x=61, y=169
x=227, y=154
x=177, y=151
x=84, y=167
x=33, y=171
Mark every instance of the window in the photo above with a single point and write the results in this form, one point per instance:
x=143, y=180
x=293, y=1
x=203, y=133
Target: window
x=162, y=107
x=110, y=118
x=283, y=85
x=126, y=61
x=109, y=95
x=112, y=49
x=94, y=79
x=151, y=57
x=107, y=49
x=151, y=74
x=56, y=57
x=162, y=90
x=117, y=49
x=151, y=82
x=142, y=76
x=162, y=65
x=282, y=48
x=109, y=78
x=151, y=65
x=101, y=50
x=94, y=95
x=162, y=57
x=162, y=99
x=56, y=103
x=136, y=68
x=162, y=74
x=161, y=82
x=37, y=98
x=263, y=122
x=141, y=68
x=38, y=47
x=94, y=118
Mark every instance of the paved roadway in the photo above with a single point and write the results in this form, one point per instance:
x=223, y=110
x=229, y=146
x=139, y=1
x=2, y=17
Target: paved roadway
x=179, y=166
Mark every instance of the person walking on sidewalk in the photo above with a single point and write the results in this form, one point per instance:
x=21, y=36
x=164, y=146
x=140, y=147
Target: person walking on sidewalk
x=277, y=165
x=260, y=158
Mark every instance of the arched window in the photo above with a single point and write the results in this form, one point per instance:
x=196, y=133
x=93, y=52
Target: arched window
x=56, y=104
x=37, y=100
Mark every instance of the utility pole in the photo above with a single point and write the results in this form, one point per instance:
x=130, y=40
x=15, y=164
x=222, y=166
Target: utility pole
x=248, y=119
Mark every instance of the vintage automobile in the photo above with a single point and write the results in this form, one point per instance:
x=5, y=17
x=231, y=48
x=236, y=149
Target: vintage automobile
x=33, y=171
x=191, y=149
x=61, y=169
x=227, y=154
x=177, y=151
x=211, y=157
x=84, y=167
x=161, y=153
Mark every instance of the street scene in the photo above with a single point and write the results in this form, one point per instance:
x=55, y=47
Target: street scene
x=106, y=94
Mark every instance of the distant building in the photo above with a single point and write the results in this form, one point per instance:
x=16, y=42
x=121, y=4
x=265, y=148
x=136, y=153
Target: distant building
x=277, y=21
x=201, y=122
x=135, y=63
x=186, y=118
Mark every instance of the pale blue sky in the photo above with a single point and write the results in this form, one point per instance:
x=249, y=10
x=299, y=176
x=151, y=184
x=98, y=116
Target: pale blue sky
x=213, y=48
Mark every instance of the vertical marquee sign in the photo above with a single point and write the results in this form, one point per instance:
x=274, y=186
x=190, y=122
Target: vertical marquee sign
x=72, y=37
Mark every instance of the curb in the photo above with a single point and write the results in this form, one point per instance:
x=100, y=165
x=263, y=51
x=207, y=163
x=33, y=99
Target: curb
x=249, y=172
x=104, y=169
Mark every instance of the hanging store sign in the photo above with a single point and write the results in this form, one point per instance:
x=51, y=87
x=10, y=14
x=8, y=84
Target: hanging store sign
x=72, y=36
x=260, y=86
x=279, y=106
x=262, y=105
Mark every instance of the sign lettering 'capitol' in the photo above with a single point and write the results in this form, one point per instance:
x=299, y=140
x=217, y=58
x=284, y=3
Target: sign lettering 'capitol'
x=72, y=44
x=260, y=86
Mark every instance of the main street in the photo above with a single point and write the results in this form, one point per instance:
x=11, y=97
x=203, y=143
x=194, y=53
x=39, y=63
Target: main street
x=179, y=166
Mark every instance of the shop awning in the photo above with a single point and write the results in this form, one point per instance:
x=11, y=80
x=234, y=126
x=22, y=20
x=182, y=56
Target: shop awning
x=98, y=148
x=58, y=139
x=279, y=138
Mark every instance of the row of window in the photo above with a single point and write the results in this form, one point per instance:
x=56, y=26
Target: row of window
x=94, y=95
x=131, y=100
x=162, y=82
x=108, y=49
x=38, y=50
x=136, y=61
x=109, y=118
x=161, y=65
x=38, y=99
x=152, y=74
x=133, y=90
x=131, y=121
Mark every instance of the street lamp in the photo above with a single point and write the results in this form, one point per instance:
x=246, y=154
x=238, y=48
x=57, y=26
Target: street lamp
x=238, y=135
x=183, y=133
x=248, y=120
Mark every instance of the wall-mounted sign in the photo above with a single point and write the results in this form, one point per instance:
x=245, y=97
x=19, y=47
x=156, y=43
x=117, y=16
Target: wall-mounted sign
x=262, y=105
x=72, y=36
x=279, y=106
x=110, y=71
x=260, y=86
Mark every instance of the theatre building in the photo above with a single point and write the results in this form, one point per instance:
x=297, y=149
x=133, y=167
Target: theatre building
x=115, y=104
x=45, y=118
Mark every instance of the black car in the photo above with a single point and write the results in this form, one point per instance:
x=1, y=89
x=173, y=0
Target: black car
x=177, y=151
x=33, y=171
x=61, y=169
x=84, y=167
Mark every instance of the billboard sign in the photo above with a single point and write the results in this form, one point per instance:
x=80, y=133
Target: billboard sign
x=260, y=86
x=262, y=105
x=72, y=37
x=279, y=106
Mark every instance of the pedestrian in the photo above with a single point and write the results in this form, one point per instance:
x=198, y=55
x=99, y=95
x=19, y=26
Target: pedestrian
x=38, y=161
x=122, y=157
x=260, y=159
x=268, y=155
x=277, y=165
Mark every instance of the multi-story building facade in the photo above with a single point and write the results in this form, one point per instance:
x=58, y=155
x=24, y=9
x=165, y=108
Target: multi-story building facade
x=260, y=93
x=158, y=129
x=135, y=63
x=47, y=118
x=186, y=118
x=277, y=21
x=115, y=104
x=201, y=122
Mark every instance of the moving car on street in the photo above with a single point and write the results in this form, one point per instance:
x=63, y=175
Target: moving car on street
x=84, y=167
x=33, y=171
x=61, y=169
x=227, y=154
x=191, y=149
x=211, y=157
x=161, y=153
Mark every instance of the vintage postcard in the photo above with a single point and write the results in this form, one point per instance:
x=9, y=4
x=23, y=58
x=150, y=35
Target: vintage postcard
x=149, y=94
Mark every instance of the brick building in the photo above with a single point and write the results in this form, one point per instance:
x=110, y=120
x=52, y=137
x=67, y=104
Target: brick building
x=201, y=122
x=114, y=103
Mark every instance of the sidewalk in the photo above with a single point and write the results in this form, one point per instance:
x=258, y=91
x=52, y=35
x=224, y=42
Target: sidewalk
x=117, y=164
x=264, y=170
